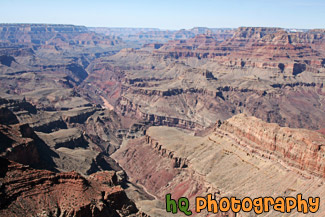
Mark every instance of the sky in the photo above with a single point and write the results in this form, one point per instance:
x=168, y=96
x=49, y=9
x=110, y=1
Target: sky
x=167, y=14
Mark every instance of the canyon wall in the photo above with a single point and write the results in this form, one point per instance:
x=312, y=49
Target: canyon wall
x=241, y=157
x=271, y=73
x=298, y=148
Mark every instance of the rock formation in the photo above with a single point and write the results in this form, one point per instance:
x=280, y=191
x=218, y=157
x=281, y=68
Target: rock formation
x=77, y=104
x=29, y=192
x=300, y=148
x=18, y=144
x=233, y=159
x=259, y=71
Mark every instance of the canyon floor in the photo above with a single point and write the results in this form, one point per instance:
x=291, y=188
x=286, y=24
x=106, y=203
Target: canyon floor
x=107, y=121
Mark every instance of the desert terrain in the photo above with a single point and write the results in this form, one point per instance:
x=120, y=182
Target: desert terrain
x=98, y=121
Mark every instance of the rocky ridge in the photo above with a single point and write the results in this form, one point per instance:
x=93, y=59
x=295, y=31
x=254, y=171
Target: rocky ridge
x=230, y=160
x=300, y=148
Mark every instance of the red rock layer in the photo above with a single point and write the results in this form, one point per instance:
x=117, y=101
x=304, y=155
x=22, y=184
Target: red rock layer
x=188, y=169
x=299, y=148
x=160, y=172
x=30, y=192
x=256, y=47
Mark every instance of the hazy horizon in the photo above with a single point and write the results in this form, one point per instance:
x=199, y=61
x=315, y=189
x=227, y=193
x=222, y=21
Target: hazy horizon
x=299, y=14
x=162, y=29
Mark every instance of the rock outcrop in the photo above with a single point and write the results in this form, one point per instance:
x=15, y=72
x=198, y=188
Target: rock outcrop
x=79, y=139
x=18, y=144
x=29, y=192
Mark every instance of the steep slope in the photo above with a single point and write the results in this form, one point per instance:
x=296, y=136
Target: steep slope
x=238, y=158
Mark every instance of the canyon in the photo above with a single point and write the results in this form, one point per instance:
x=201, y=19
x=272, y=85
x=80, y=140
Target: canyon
x=116, y=118
x=237, y=158
x=202, y=80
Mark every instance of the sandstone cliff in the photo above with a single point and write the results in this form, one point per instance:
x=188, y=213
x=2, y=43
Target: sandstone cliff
x=303, y=149
x=239, y=157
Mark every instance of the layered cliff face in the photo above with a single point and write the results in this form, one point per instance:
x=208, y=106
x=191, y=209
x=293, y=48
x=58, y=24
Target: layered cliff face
x=79, y=139
x=46, y=124
x=48, y=56
x=18, y=144
x=70, y=98
x=29, y=191
x=41, y=68
x=270, y=73
x=75, y=139
x=256, y=47
x=300, y=148
x=232, y=159
x=143, y=36
x=26, y=191
x=51, y=34
x=201, y=46
x=290, y=52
